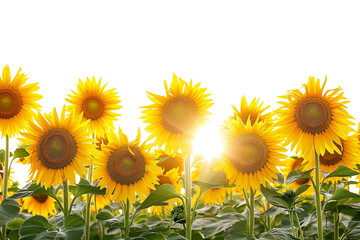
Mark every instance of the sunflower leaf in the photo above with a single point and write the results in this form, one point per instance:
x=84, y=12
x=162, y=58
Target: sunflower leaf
x=295, y=175
x=161, y=194
x=274, y=197
x=341, y=171
x=9, y=209
x=35, y=228
x=2, y=155
x=341, y=194
x=84, y=187
x=20, y=153
x=301, y=189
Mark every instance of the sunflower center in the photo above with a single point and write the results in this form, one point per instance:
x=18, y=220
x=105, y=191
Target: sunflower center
x=244, y=117
x=249, y=153
x=169, y=163
x=298, y=166
x=10, y=103
x=41, y=198
x=57, y=148
x=163, y=180
x=313, y=115
x=178, y=115
x=93, y=107
x=331, y=159
x=124, y=167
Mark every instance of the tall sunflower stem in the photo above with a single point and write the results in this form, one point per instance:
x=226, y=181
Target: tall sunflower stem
x=88, y=205
x=317, y=196
x=252, y=212
x=127, y=219
x=298, y=223
x=66, y=198
x=336, y=220
x=291, y=216
x=6, y=175
x=187, y=183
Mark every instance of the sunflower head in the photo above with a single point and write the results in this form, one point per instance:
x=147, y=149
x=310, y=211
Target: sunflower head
x=169, y=161
x=298, y=163
x=252, y=153
x=96, y=105
x=17, y=102
x=39, y=205
x=58, y=147
x=170, y=177
x=314, y=118
x=253, y=110
x=126, y=168
x=173, y=119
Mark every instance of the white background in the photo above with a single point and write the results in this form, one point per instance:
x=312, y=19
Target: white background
x=234, y=48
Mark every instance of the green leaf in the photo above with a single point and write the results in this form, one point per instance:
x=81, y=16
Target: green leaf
x=84, y=187
x=161, y=194
x=20, y=153
x=221, y=225
x=9, y=209
x=295, y=175
x=74, y=226
x=301, y=189
x=15, y=224
x=341, y=171
x=274, y=197
x=2, y=155
x=342, y=193
x=210, y=179
x=278, y=234
x=34, y=189
x=175, y=236
x=34, y=226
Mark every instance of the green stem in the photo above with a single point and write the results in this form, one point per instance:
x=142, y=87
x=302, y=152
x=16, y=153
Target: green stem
x=252, y=209
x=99, y=225
x=336, y=220
x=88, y=205
x=66, y=198
x=187, y=183
x=317, y=195
x=292, y=224
x=298, y=223
x=6, y=175
x=127, y=219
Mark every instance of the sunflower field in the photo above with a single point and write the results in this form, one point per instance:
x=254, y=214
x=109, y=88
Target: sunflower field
x=286, y=173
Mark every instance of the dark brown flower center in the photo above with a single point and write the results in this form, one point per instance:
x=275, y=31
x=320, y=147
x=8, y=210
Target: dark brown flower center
x=248, y=153
x=41, y=198
x=331, y=159
x=10, y=103
x=125, y=167
x=57, y=148
x=313, y=115
x=93, y=107
x=178, y=115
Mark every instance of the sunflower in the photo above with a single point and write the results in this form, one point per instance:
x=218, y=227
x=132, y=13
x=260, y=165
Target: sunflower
x=101, y=141
x=205, y=171
x=174, y=118
x=126, y=168
x=253, y=110
x=39, y=205
x=252, y=153
x=314, y=119
x=98, y=202
x=96, y=105
x=170, y=177
x=169, y=161
x=59, y=147
x=298, y=163
x=17, y=102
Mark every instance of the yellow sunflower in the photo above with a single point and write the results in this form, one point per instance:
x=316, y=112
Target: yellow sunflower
x=200, y=172
x=254, y=110
x=17, y=102
x=298, y=163
x=96, y=105
x=170, y=177
x=170, y=161
x=313, y=118
x=126, y=168
x=252, y=153
x=98, y=202
x=39, y=205
x=173, y=119
x=58, y=149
